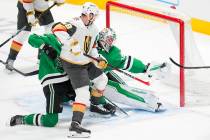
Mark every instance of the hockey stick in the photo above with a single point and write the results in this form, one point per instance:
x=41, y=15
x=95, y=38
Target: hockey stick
x=22, y=73
x=2, y=44
x=116, y=106
x=188, y=67
x=127, y=74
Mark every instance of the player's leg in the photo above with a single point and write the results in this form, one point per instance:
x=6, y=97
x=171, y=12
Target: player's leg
x=133, y=97
x=69, y=93
x=54, y=96
x=99, y=79
x=46, y=21
x=18, y=41
x=80, y=82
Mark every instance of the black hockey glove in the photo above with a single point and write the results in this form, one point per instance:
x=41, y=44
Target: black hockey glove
x=50, y=52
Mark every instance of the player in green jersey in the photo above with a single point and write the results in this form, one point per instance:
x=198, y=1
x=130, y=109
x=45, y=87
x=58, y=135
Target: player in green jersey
x=56, y=85
x=117, y=90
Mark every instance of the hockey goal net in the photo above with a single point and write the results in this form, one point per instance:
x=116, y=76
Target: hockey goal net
x=155, y=34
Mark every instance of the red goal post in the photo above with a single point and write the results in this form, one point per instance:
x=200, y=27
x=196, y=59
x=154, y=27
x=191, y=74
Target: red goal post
x=110, y=4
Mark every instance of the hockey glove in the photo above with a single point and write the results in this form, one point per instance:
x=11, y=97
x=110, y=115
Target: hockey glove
x=102, y=63
x=49, y=51
x=157, y=71
x=32, y=21
x=59, y=2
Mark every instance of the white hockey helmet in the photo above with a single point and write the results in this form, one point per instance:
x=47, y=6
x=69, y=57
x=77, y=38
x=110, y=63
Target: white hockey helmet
x=90, y=8
x=106, y=37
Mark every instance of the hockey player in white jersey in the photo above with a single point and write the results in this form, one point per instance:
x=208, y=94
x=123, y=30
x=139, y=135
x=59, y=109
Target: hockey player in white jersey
x=78, y=37
x=28, y=12
x=117, y=90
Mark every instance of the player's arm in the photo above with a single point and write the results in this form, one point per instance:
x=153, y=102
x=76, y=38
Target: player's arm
x=102, y=63
x=94, y=51
x=36, y=41
x=117, y=60
x=30, y=12
x=64, y=32
x=132, y=64
x=45, y=43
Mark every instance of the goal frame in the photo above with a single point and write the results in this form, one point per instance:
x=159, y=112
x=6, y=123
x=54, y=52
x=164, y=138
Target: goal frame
x=166, y=17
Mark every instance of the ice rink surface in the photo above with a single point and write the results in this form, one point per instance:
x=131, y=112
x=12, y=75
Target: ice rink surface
x=23, y=95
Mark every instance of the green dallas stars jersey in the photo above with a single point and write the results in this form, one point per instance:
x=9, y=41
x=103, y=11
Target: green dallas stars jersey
x=117, y=60
x=118, y=90
x=140, y=100
x=50, y=71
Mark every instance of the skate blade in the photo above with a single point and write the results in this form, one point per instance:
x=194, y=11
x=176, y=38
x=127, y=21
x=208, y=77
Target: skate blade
x=7, y=123
x=9, y=72
x=74, y=134
x=98, y=115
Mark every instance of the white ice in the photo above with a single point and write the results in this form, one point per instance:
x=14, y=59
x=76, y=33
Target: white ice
x=23, y=95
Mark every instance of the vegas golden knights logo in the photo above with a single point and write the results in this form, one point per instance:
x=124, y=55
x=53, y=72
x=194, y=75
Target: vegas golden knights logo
x=87, y=44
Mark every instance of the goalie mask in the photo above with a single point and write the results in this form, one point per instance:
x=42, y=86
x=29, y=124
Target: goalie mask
x=106, y=38
x=91, y=11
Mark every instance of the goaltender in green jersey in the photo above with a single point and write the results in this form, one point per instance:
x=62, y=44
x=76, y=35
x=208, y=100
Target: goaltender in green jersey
x=117, y=90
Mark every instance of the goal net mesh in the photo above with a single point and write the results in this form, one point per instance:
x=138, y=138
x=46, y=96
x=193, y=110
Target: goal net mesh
x=154, y=34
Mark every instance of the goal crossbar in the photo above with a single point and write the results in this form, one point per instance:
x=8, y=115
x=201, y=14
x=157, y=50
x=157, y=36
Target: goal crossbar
x=162, y=16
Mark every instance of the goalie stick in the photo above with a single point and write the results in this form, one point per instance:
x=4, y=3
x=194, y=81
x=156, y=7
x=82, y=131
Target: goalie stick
x=127, y=74
x=188, y=67
x=22, y=73
x=116, y=106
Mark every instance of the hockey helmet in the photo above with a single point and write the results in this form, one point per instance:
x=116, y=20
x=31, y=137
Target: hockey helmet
x=90, y=8
x=106, y=37
x=91, y=11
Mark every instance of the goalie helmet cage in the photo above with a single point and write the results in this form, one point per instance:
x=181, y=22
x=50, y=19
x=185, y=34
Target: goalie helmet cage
x=179, y=21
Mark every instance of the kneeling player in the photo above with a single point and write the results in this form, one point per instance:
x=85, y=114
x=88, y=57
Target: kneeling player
x=55, y=82
x=57, y=87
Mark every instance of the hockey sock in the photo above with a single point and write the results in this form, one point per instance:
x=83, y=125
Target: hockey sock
x=78, y=112
x=48, y=120
x=14, y=50
x=97, y=97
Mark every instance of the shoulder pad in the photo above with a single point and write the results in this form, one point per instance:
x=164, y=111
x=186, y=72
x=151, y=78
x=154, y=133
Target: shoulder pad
x=59, y=27
x=71, y=29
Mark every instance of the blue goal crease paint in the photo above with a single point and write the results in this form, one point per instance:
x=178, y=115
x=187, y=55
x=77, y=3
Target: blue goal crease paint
x=171, y=2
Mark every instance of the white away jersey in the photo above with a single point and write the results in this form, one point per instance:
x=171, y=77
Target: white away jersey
x=77, y=39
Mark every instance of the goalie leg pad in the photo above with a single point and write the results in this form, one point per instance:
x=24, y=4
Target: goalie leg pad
x=131, y=96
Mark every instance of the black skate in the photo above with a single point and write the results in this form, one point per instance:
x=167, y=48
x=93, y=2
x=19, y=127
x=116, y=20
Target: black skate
x=99, y=109
x=9, y=64
x=16, y=120
x=110, y=107
x=77, y=131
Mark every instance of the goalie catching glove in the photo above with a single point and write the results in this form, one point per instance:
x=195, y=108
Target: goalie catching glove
x=157, y=71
